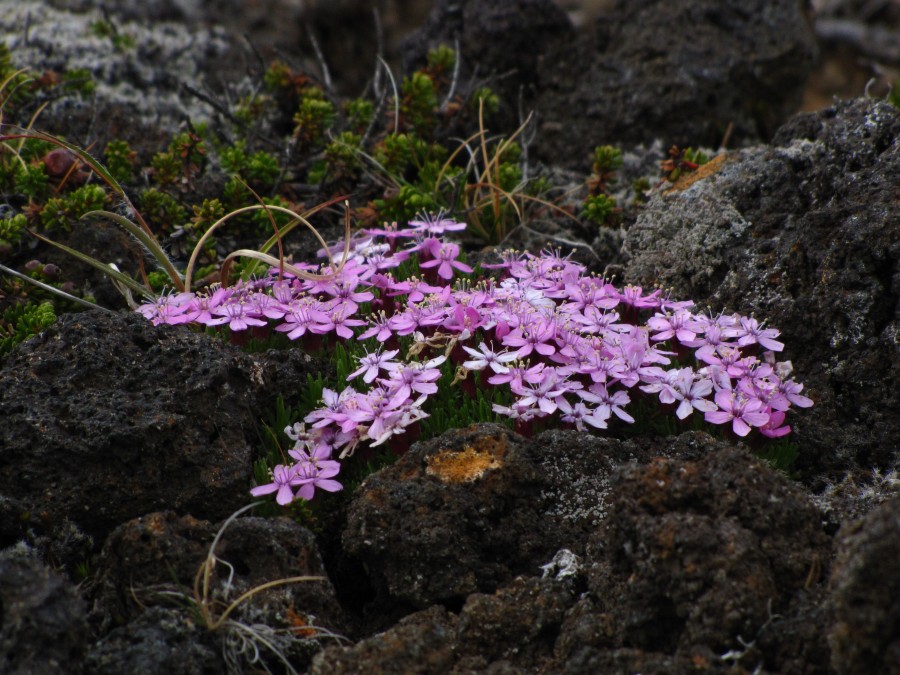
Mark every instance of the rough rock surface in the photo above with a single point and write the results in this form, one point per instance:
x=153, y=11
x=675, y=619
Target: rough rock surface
x=467, y=512
x=124, y=446
x=697, y=554
x=161, y=550
x=802, y=233
x=683, y=71
x=160, y=640
x=678, y=70
x=107, y=418
x=695, y=551
x=42, y=618
x=865, y=635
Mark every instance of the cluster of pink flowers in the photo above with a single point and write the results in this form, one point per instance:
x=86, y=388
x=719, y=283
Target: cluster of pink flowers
x=562, y=341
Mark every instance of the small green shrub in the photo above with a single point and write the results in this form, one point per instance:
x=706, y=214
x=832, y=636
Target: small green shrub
x=60, y=212
x=20, y=322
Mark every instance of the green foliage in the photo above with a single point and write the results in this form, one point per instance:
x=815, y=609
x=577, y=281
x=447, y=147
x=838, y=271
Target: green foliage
x=15, y=92
x=20, y=322
x=359, y=113
x=607, y=158
x=59, y=212
x=158, y=280
x=261, y=169
x=780, y=453
x=263, y=219
x=278, y=76
x=485, y=99
x=599, y=209
x=342, y=156
x=162, y=210
x=640, y=186
x=206, y=214
x=399, y=152
x=315, y=116
x=893, y=96
x=120, y=160
x=79, y=81
x=31, y=180
x=680, y=161
x=453, y=408
x=166, y=168
x=182, y=162
x=441, y=59
x=695, y=156
x=11, y=231
x=419, y=102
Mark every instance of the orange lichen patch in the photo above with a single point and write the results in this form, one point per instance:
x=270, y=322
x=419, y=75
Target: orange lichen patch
x=468, y=464
x=299, y=624
x=688, y=178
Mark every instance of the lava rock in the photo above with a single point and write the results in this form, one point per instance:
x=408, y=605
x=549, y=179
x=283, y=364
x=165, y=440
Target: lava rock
x=161, y=640
x=468, y=511
x=419, y=643
x=865, y=635
x=153, y=562
x=107, y=418
x=683, y=71
x=697, y=554
x=511, y=630
x=453, y=516
x=500, y=42
x=42, y=622
x=803, y=234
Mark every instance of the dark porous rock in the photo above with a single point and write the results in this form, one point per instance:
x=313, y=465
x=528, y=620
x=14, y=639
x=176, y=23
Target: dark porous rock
x=518, y=625
x=696, y=556
x=153, y=561
x=679, y=70
x=500, y=43
x=625, y=661
x=468, y=511
x=161, y=640
x=806, y=235
x=42, y=619
x=510, y=631
x=455, y=515
x=419, y=643
x=865, y=635
x=107, y=417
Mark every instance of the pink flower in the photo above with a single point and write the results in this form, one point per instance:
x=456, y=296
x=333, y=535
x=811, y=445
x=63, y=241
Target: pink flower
x=238, y=314
x=437, y=226
x=444, y=257
x=314, y=469
x=739, y=410
x=681, y=324
x=751, y=332
x=370, y=364
x=579, y=413
x=168, y=308
x=485, y=357
x=282, y=483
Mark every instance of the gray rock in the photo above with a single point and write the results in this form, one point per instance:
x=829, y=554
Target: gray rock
x=42, y=624
x=161, y=640
x=107, y=418
x=698, y=555
x=864, y=635
x=681, y=71
x=804, y=234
